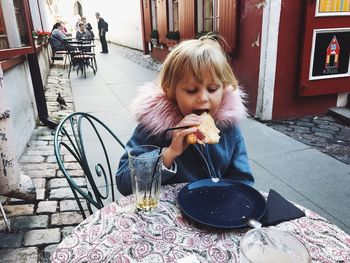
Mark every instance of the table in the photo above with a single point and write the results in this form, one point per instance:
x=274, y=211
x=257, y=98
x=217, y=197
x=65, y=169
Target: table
x=116, y=233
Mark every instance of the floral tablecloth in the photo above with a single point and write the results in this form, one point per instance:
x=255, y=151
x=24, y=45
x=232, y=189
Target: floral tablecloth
x=117, y=233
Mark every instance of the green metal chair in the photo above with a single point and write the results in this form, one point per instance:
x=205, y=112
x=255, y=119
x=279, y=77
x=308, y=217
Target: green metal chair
x=83, y=138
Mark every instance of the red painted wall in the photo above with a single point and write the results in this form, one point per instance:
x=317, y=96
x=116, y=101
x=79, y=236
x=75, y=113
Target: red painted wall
x=287, y=101
x=246, y=62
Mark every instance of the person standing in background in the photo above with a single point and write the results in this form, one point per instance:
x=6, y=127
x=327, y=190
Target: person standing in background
x=102, y=29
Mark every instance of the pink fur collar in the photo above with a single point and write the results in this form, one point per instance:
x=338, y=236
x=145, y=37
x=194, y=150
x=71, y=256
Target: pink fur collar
x=156, y=112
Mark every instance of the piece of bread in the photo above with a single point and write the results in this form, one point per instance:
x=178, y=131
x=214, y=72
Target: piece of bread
x=207, y=132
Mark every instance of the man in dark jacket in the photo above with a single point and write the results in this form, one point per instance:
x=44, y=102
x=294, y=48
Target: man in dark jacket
x=102, y=29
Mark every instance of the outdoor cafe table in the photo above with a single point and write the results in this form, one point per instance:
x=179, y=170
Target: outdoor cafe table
x=117, y=233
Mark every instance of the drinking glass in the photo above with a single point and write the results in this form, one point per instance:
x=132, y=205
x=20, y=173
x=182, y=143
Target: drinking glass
x=266, y=245
x=145, y=168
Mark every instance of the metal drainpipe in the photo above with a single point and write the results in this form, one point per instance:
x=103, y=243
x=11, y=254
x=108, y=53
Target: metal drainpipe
x=13, y=182
x=39, y=93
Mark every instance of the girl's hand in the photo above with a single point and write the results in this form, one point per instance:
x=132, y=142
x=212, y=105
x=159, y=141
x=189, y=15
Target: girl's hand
x=179, y=144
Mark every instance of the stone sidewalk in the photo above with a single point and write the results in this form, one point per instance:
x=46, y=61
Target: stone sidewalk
x=38, y=227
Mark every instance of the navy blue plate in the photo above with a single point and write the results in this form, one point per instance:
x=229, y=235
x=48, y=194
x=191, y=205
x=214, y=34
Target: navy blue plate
x=222, y=204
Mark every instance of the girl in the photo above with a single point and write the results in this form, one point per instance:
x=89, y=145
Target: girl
x=195, y=78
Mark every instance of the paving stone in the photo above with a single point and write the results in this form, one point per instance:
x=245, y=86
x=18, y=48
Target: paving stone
x=11, y=240
x=71, y=205
x=40, y=153
x=72, y=173
x=305, y=123
x=47, y=207
x=51, y=159
x=39, y=182
x=48, y=173
x=42, y=166
x=30, y=222
x=67, y=230
x=61, y=193
x=35, y=143
x=324, y=135
x=18, y=210
x=329, y=127
x=42, y=148
x=20, y=255
x=301, y=129
x=48, y=250
x=66, y=218
x=73, y=166
x=69, y=158
x=40, y=194
x=42, y=237
x=32, y=159
x=45, y=137
x=62, y=182
x=323, y=131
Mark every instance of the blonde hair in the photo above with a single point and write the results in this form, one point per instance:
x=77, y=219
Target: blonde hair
x=202, y=57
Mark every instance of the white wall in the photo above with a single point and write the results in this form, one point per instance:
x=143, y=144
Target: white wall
x=19, y=92
x=17, y=82
x=123, y=18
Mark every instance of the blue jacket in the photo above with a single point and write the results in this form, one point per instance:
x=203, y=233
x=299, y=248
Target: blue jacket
x=227, y=159
x=57, y=39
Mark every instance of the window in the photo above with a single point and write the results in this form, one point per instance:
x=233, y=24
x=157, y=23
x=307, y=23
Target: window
x=154, y=14
x=175, y=15
x=3, y=36
x=15, y=36
x=173, y=11
x=211, y=15
x=21, y=23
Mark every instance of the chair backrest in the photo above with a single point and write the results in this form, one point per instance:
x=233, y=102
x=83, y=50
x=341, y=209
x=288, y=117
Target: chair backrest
x=83, y=141
x=53, y=51
x=72, y=49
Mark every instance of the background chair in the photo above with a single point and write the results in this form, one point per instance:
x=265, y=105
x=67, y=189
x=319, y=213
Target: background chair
x=91, y=50
x=83, y=141
x=79, y=57
x=57, y=54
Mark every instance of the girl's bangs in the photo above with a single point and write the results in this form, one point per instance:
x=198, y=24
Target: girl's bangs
x=202, y=69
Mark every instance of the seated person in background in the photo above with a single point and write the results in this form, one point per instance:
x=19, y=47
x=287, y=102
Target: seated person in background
x=58, y=37
x=88, y=26
x=82, y=33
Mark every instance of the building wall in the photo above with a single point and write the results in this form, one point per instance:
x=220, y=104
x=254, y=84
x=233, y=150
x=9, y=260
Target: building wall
x=267, y=60
x=19, y=93
x=287, y=101
x=246, y=62
x=17, y=82
x=251, y=56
